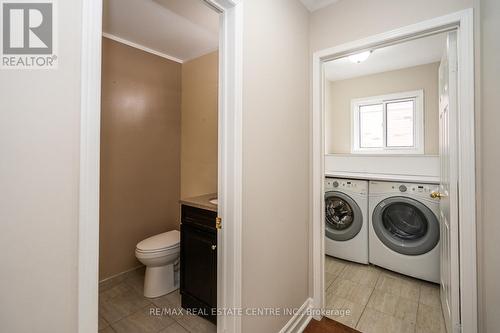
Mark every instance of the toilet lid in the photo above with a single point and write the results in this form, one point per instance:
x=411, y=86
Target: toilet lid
x=161, y=241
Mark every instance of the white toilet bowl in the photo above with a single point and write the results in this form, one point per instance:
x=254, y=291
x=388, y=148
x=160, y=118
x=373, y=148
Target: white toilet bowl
x=159, y=254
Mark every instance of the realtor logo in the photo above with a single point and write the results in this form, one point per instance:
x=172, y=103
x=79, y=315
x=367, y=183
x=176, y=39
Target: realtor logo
x=28, y=34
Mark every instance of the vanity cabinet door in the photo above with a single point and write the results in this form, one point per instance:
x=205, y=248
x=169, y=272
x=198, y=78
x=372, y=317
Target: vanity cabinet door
x=199, y=269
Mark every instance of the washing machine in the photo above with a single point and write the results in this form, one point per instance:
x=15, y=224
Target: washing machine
x=404, y=228
x=346, y=219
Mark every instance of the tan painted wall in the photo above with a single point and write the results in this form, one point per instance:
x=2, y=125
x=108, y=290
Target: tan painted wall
x=338, y=116
x=489, y=159
x=199, y=126
x=275, y=159
x=140, y=152
x=39, y=177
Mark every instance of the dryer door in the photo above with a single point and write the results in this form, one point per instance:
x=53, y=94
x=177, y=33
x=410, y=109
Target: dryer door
x=406, y=225
x=343, y=217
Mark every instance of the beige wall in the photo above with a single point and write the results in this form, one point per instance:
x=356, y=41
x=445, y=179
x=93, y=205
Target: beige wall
x=275, y=159
x=348, y=20
x=489, y=159
x=39, y=176
x=199, y=126
x=39, y=169
x=140, y=152
x=338, y=116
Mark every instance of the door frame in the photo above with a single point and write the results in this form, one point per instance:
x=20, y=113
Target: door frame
x=462, y=21
x=229, y=163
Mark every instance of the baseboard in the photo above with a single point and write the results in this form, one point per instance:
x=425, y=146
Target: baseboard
x=120, y=274
x=300, y=319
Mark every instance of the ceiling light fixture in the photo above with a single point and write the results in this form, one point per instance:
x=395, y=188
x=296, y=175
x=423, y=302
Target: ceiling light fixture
x=359, y=57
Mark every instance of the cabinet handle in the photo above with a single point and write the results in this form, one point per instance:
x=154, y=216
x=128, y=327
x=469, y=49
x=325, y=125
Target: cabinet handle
x=214, y=247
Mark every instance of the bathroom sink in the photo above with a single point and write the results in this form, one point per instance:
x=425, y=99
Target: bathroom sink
x=214, y=201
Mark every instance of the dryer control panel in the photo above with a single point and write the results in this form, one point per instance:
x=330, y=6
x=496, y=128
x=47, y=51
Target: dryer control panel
x=412, y=189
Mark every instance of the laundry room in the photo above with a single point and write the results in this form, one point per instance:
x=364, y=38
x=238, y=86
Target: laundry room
x=390, y=243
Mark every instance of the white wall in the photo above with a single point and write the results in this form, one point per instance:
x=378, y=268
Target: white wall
x=489, y=159
x=275, y=159
x=39, y=149
x=348, y=20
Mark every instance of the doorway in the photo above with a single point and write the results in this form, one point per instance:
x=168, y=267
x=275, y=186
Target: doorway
x=229, y=163
x=463, y=309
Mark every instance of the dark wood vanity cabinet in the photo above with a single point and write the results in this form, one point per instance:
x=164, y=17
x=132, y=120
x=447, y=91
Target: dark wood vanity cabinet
x=198, y=262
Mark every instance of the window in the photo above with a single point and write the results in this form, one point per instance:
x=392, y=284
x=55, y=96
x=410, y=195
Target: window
x=389, y=124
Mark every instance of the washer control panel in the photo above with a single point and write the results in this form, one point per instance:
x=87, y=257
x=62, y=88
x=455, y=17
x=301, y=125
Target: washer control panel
x=354, y=185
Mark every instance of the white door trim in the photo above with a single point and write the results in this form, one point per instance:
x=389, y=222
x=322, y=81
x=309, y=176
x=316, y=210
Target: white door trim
x=230, y=163
x=463, y=21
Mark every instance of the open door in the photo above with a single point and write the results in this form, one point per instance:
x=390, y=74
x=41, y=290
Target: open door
x=448, y=188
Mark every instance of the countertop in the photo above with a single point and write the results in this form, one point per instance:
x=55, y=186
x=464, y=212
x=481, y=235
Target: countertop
x=383, y=177
x=201, y=201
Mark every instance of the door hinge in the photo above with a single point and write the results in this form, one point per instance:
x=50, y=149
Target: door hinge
x=218, y=222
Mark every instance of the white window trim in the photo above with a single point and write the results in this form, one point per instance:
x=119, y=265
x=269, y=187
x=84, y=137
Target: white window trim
x=418, y=131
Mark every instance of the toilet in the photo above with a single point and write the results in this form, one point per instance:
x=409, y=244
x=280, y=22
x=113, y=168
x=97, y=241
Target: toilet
x=159, y=254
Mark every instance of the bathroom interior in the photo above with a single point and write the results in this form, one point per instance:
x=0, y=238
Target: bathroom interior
x=389, y=250
x=159, y=161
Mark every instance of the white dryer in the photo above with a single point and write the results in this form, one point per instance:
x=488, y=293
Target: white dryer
x=346, y=219
x=404, y=229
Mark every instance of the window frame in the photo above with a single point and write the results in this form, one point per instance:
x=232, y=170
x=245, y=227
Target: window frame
x=418, y=123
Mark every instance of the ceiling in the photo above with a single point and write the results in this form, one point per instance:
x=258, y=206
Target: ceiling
x=413, y=53
x=313, y=5
x=180, y=29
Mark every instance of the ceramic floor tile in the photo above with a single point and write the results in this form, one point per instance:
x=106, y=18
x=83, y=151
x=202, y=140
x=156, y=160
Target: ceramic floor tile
x=334, y=266
x=393, y=305
x=190, y=322
x=383, y=302
x=406, y=310
x=350, y=290
x=107, y=329
x=108, y=283
x=329, y=278
x=136, y=273
x=410, y=289
x=116, y=308
x=143, y=321
x=343, y=310
x=114, y=291
x=136, y=283
x=430, y=319
x=194, y=323
x=172, y=300
x=102, y=323
x=366, y=275
x=430, y=294
x=174, y=328
x=398, y=285
x=373, y=321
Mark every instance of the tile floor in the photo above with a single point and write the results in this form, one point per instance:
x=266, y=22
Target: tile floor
x=380, y=300
x=124, y=309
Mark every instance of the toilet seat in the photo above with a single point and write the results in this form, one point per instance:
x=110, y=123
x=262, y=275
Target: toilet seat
x=164, y=242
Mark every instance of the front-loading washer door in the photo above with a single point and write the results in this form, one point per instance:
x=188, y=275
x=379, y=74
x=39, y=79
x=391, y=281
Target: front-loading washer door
x=343, y=217
x=406, y=225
